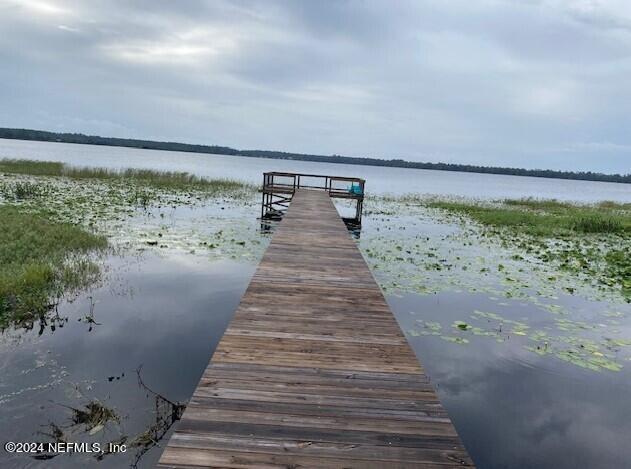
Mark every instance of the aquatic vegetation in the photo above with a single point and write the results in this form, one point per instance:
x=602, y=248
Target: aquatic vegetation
x=461, y=325
x=455, y=340
x=583, y=239
x=56, y=434
x=160, y=179
x=552, y=205
x=579, y=351
x=131, y=210
x=135, y=215
x=93, y=420
x=167, y=412
x=89, y=419
x=89, y=317
x=33, y=167
x=40, y=259
x=567, y=341
x=415, y=248
x=543, y=218
x=467, y=260
x=133, y=219
x=619, y=267
x=598, y=224
x=93, y=416
x=19, y=191
x=427, y=328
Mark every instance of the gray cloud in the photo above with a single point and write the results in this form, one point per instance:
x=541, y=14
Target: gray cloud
x=535, y=84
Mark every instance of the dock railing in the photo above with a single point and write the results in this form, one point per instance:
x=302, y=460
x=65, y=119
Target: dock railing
x=279, y=187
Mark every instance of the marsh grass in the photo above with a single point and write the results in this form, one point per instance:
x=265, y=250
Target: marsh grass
x=610, y=205
x=93, y=415
x=19, y=191
x=598, y=224
x=619, y=267
x=39, y=260
x=32, y=167
x=593, y=235
x=545, y=217
x=159, y=179
x=539, y=204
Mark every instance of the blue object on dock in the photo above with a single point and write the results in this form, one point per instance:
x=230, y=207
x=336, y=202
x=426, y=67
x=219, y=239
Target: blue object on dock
x=355, y=189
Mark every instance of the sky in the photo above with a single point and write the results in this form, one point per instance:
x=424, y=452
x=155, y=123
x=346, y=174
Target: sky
x=523, y=83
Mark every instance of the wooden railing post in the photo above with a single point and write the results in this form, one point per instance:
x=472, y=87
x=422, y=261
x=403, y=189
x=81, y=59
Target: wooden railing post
x=282, y=188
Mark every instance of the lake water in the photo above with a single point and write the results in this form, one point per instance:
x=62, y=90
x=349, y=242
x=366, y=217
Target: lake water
x=160, y=311
x=156, y=314
x=380, y=180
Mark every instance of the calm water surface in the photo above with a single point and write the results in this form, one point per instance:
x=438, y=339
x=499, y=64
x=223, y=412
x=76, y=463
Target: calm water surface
x=514, y=408
x=379, y=179
x=162, y=315
x=163, y=311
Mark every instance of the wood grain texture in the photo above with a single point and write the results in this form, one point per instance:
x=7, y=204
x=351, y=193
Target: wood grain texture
x=313, y=370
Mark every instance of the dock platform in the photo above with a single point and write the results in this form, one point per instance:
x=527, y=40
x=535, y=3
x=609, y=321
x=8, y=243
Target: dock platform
x=313, y=371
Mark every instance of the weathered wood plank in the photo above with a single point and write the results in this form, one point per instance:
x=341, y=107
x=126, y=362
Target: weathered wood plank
x=313, y=370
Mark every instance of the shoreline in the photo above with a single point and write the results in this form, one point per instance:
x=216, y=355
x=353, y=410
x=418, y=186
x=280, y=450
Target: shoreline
x=76, y=138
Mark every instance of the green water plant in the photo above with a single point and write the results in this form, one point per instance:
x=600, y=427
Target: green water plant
x=39, y=260
x=173, y=180
x=593, y=240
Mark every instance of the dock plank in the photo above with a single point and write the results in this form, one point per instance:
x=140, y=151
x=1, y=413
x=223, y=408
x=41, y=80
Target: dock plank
x=313, y=370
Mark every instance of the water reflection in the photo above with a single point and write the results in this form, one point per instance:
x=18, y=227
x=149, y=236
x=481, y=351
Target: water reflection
x=268, y=226
x=162, y=313
x=513, y=408
x=165, y=310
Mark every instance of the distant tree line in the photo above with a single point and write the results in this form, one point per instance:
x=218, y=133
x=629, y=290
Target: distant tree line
x=40, y=135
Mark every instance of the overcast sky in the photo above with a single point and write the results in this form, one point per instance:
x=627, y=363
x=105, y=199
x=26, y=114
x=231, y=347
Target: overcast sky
x=529, y=83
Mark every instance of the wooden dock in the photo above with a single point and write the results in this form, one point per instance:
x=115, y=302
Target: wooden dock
x=313, y=370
